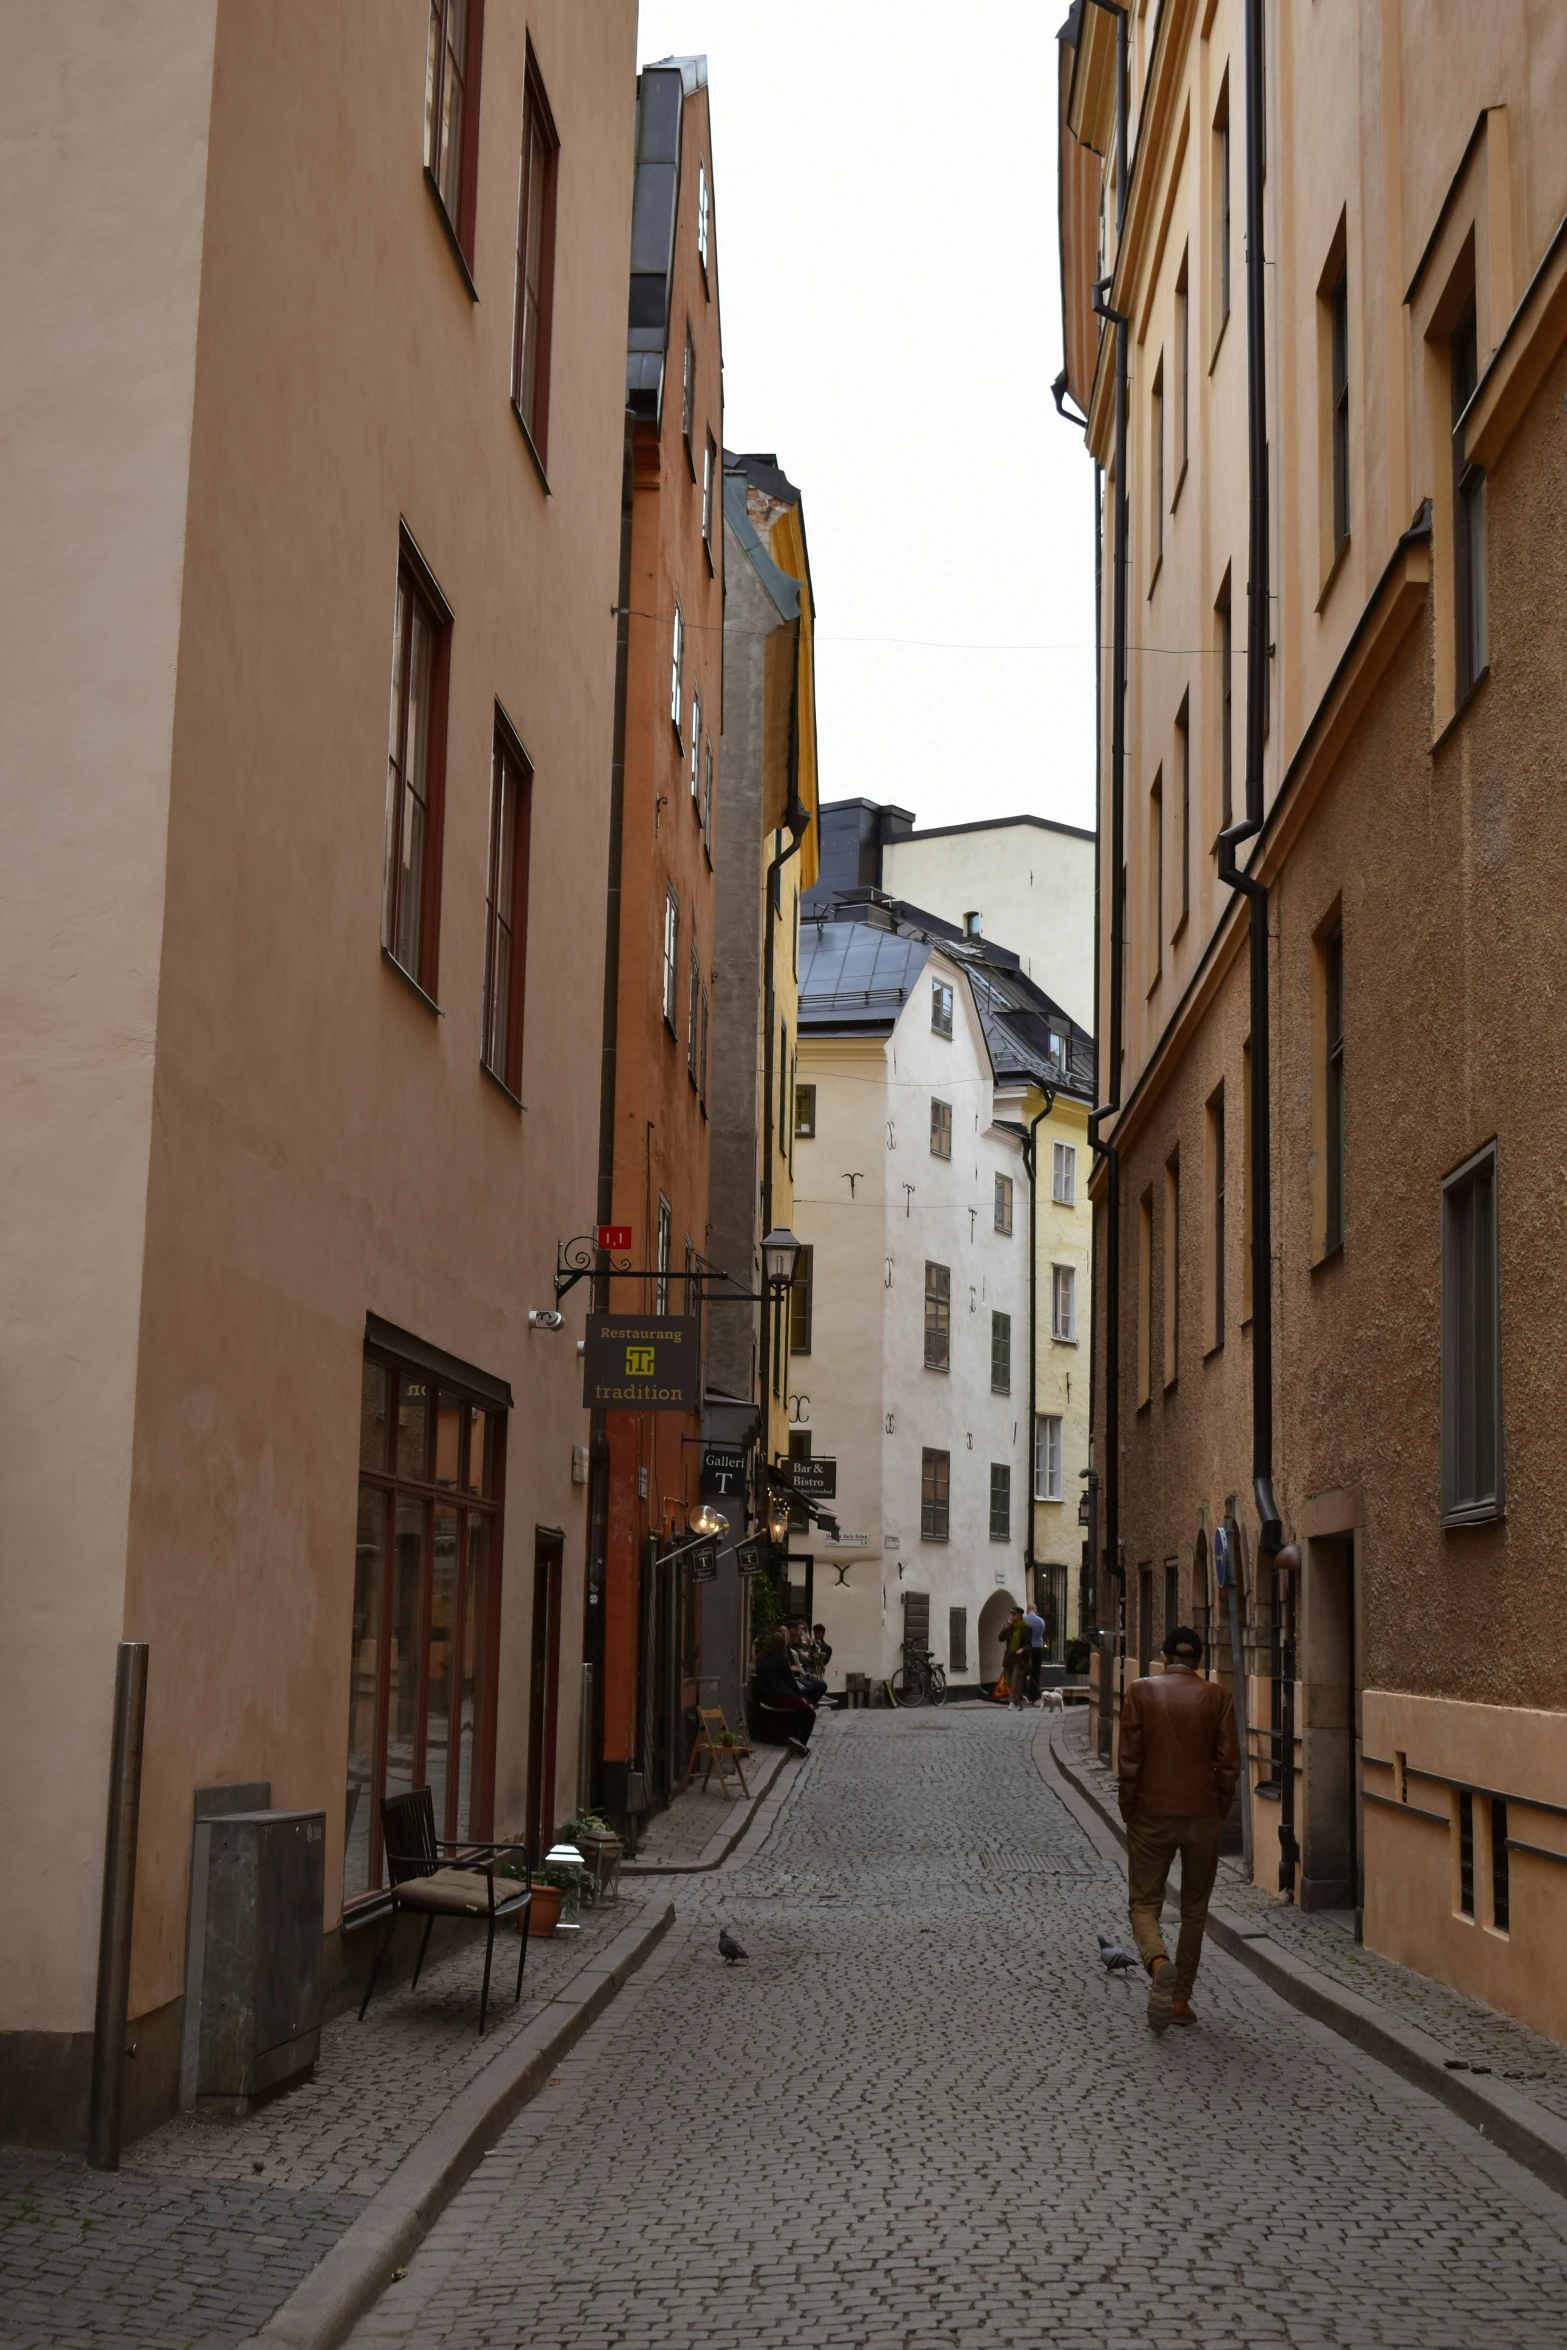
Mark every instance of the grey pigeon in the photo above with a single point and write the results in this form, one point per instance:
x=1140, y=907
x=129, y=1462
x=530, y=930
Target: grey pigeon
x=1113, y=1958
x=728, y=1948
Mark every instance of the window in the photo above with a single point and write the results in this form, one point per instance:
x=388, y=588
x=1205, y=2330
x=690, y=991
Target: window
x=1156, y=474
x=530, y=370
x=1246, y=1264
x=677, y=682
x=506, y=909
x=971, y=923
x=701, y=1064
x=805, y=1111
x=940, y=1129
x=1172, y=1595
x=1047, y=1457
x=1172, y=1271
x=940, y=1008
x=1183, y=344
x=1338, y=393
x=1063, y=1174
x=1226, y=706
x=1466, y=1853
x=1156, y=875
x=1001, y=1354
x=785, y=1125
x=451, y=111
x=957, y=1639
x=1144, y=1297
x=935, y=1478
x=661, y=1260
x=707, y=805
x=709, y=468
x=1145, y=1621
x=785, y=1076
x=1000, y=1502
x=1333, y=1056
x=800, y=1302
x=696, y=748
x=1063, y=1304
x=694, y=1016
x=938, y=1317
x=1213, y=1318
x=1003, y=1203
x=1468, y=522
x=701, y=212
x=427, y=1564
x=1183, y=757
x=671, y=954
x=1221, y=205
x=415, y=764
x=688, y=398
x=1471, y=1345
x=1501, y=1897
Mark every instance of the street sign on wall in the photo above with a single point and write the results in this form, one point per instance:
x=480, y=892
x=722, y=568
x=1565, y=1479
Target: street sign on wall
x=723, y=1471
x=636, y=1363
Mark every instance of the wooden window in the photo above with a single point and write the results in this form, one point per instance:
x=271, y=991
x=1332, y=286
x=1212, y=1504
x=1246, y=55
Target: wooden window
x=451, y=112
x=1063, y=1304
x=784, y=1081
x=940, y=1129
x=800, y=1301
x=1183, y=760
x=1144, y=1297
x=1003, y=1203
x=1333, y=1072
x=1213, y=1172
x=935, y=1483
x=1063, y=1174
x=786, y=1125
x=940, y=1008
x=677, y=679
x=688, y=399
x=530, y=368
x=702, y=212
x=1468, y=522
x=694, y=1016
x=1172, y=1271
x=1000, y=1501
x=701, y=1065
x=1221, y=207
x=427, y=1570
x=696, y=748
x=938, y=1317
x=1047, y=1457
x=666, y=1226
x=415, y=773
x=1000, y=1354
x=709, y=475
x=506, y=908
x=957, y=1639
x=1501, y=1890
x=1338, y=378
x=1466, y=1853
x=1226, y=705
x=805, y=1111
x=1156, y=876
x=707, y=817
x=1183, y=345
x=671, y=956
x=1472, y=1481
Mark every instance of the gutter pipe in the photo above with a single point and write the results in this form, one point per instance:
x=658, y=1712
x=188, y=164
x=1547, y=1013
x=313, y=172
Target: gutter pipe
x=1030, y=1162
x=797, y=817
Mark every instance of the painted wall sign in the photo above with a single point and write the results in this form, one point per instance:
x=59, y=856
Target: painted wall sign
x=635, y=1363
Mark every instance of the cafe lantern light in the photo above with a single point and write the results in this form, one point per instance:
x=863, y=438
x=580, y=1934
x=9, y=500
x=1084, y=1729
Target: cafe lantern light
x=707, y=1520
x=779, y=1251
x=778, y=1519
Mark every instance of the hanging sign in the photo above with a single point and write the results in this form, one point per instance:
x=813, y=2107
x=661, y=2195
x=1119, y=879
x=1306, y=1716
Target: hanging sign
x=748, y=1558
x=723, y=1471
x=704, y=1564
x=815, y=1479
x=632, y=1362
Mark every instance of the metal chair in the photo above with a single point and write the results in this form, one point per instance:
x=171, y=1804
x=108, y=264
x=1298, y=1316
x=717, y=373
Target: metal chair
x=425, y=1886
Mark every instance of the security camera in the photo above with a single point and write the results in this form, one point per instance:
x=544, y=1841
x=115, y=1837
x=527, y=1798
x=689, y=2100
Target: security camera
x=539, y=1318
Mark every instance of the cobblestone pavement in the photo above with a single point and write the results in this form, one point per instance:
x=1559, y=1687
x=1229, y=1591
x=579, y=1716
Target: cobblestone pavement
x=210, y=2224
x=683, y=1831
x=922, y=2116
x=1466, y=2027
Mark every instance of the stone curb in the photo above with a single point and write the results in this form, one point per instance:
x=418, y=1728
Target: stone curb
x=1528, y=2132
x=324, y=2306
x=722, y=1841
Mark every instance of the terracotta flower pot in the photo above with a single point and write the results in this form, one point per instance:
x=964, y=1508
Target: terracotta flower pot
x=545, y=1910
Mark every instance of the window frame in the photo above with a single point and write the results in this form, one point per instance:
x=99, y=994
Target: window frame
x=940, y=1128
x=696, y=749
x=1000, y=1352
x=1213, y=1174
x=677, y=672
x=538, y=301
x=463, y=154
x=1334, y=1164
x=1063, y=1174
x=1004, y=1204
x=802, y=1298
x=1063, y=1285
x=1471, y=656
x=1050, y=1487
x=935, y=1494
x=505, y=1064
x=805, y=1126
x=941, y=1007
x=1183, y=737
x=1338, y=398
x=1224, y=609
x=703, y=219
x=709, y=478
x=688, y=399
x=693, y=1012
x=1000, y=1501
x=1156, y=473
x=938, y=1317
x=663, y=1250
x=1485, y=1503
x=1223, y=161
x=671, y=958
x=707, y=804
x=416, y=582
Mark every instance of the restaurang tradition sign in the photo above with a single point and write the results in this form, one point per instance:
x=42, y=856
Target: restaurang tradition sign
x=635, y=1363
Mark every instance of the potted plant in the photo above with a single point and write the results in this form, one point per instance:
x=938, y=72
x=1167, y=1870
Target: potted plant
x=551, y=1884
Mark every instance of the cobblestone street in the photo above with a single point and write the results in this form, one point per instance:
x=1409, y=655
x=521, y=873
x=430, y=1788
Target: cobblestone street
x=920, y=2115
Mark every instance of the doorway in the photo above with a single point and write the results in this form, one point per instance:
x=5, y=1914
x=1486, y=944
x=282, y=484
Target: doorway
x=992, y=1630
x=543, y=1692
x=1330, y=1729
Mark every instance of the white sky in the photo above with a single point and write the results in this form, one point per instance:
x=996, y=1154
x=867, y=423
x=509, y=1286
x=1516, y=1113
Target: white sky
x=884, y=187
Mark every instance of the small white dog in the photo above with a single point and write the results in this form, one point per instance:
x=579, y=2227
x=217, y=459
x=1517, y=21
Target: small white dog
x=1051, y=1700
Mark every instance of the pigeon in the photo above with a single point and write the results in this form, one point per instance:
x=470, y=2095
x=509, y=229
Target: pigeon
x=729, y=1949
x=1113, y=1958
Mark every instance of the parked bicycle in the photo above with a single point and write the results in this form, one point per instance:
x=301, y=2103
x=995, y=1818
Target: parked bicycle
x=919, y=1681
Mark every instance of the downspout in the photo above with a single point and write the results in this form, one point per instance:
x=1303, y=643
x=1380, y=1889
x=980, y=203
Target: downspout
x=1271, y=1532
x=1031, y=1166
x=797, y=817
x=598, y=1432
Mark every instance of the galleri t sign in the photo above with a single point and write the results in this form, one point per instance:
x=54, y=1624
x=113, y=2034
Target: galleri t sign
x=633, y=1364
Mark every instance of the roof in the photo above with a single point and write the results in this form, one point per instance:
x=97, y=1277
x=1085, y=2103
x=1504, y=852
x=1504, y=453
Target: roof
x=785, y=592
x=661, y=92
x=763, y=472
x=1000, y=824
x=856, y=977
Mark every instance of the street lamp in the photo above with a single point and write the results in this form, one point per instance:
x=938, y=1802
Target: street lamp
x=779, y=1251
x=778, y=1519
x=708, y=1521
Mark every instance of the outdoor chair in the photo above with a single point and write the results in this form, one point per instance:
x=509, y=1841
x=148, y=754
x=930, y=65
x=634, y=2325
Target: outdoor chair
x=716, y=1746
x=420, y=1883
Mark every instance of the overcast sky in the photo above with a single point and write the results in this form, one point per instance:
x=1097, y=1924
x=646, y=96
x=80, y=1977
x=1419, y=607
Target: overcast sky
x=884, y=184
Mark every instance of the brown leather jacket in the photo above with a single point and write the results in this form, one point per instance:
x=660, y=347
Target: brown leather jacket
x=1179, y=1757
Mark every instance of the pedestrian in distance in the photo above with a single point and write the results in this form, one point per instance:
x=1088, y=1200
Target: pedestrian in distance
x=1017, y=1654
x=802, y=1658
x=1178, y=1764
x=778, y=1688
x=1034, y=1626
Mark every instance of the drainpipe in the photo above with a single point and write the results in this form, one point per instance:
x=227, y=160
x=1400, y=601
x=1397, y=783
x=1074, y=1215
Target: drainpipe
x=1271, y=1532
x=106, y=2103
x=798, y=819
x=1030, y=1163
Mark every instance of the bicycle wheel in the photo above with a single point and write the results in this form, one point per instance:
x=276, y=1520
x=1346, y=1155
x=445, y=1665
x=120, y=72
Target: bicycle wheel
x=937, y=1686
x=905, y=1686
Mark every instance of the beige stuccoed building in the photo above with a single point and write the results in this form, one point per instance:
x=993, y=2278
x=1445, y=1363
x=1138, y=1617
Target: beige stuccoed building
x=311, y=399
x=1349, y=459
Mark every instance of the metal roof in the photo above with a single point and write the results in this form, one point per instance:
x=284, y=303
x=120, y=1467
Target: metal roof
x=854, y=976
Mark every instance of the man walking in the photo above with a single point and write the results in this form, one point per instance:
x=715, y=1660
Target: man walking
x=1034, y=1626
x=1178, y=1764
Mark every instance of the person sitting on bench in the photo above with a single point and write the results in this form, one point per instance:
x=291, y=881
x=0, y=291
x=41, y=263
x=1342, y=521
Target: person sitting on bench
x=778, y=1692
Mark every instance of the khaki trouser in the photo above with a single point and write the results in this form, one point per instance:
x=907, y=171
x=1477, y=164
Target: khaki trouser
x=1017, y=1675
x=1151, y=1845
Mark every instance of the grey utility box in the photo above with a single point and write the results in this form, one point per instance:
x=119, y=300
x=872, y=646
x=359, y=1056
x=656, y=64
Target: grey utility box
x=253, y=1978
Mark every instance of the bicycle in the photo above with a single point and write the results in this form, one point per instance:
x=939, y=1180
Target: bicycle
x=919, y=1681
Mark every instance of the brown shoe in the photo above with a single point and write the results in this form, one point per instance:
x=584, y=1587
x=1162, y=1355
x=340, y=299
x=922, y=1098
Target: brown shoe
x=1161, y=1996
x=1181, y=2012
